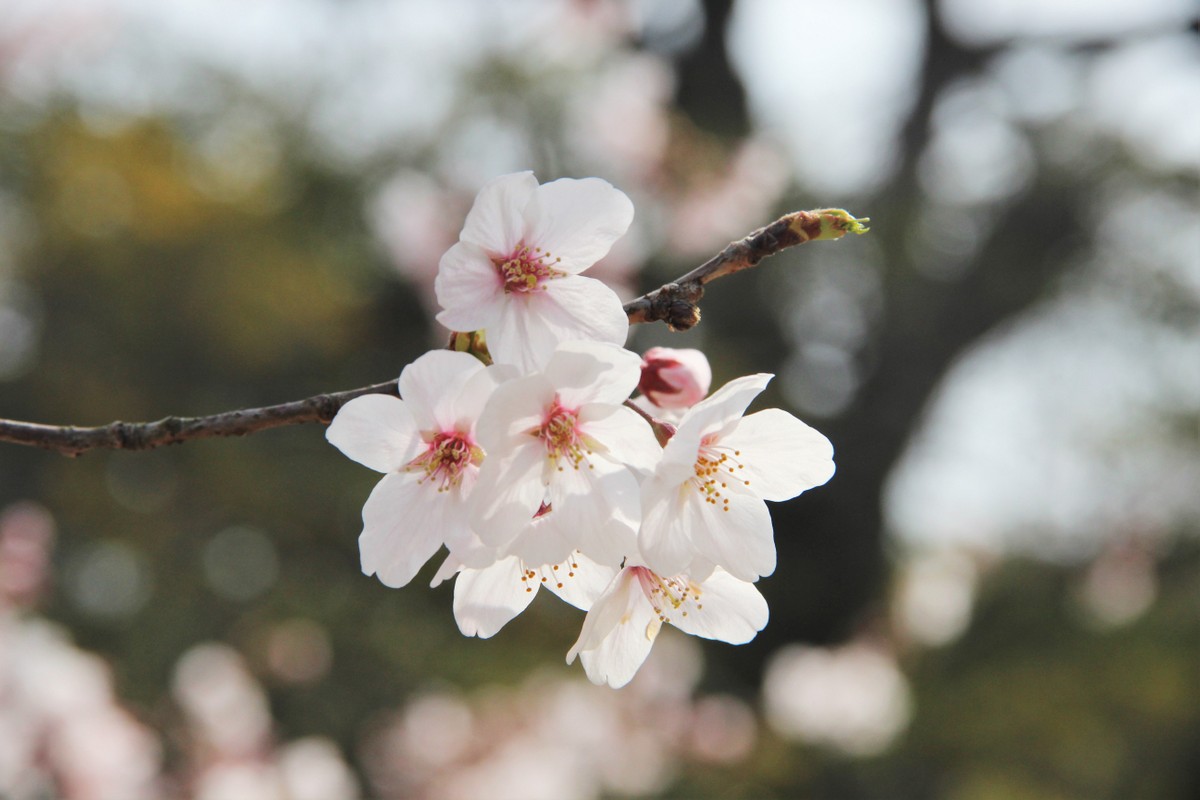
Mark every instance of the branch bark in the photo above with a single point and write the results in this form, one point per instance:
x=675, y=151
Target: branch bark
x=676, y=303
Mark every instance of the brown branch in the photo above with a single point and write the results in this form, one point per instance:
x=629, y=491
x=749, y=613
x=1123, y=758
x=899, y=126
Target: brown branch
x=675, y=303
x=74, y=441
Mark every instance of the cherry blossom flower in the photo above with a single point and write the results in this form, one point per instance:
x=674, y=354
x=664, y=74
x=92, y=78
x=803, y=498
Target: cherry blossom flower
x=486, y=599
x=674, y=378
x=426, y=447
x=623, y=623
x=561, y=438
x=704, y=504
x=514, y=272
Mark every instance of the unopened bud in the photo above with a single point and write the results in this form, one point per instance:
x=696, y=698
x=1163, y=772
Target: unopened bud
x=674, y=378
x=472, y=342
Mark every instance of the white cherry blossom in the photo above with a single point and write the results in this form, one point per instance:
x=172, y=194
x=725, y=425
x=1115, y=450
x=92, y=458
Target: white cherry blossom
x=514, y=272
x=623, y=623
x=562, y=438
x=426, y=446
x=704, y=504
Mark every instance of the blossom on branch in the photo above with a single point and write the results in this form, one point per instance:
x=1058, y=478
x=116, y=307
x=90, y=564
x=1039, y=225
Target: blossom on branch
x=562, y=438
x=515, y=271
x=426, y=446
x=704, y=504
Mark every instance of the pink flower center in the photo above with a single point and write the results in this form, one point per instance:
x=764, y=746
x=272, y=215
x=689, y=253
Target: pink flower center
x=668, y=595
x=560, y=433
x=526, y=269
x=446, y=457
x=715, y=467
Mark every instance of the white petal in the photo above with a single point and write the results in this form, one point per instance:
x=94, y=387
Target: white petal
x=725, y=405
x=486, y=599
x=782, y=456
x=469, y=288
x=496, y=221
x=726, y=609
x=624, y=436
x=581, y=581
x=517, y=336
x=507, y=495
x=404, y=524
x=738, y=537
x=449, y=568
x=577, y=220
x=543, y=541
x=585, y=308
x=665, y=538
x=617, y=634
x=430, y=383
x=377, y=431
x=598, y=509
x=467, y=406
x=593, y=372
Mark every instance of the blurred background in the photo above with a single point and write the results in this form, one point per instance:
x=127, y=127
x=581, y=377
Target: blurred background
x=217, y=205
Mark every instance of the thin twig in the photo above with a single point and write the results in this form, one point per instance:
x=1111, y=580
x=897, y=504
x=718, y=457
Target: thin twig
x=74, y=441
x=676, y=303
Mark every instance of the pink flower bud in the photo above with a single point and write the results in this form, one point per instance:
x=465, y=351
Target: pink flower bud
x=674, y=378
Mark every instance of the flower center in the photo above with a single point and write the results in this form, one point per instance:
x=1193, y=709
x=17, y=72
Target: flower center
x=715, y=467
x=560, y=434
x=446, y=457
x=526, y=269
x=668, y=595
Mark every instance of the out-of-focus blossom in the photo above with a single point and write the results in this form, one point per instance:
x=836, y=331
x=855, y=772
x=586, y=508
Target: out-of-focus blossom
x=299, y=651
x=62, y=732
x=425, y=444
x=704, y=504
x=560, y=738
x=624, y=622
x=562, y=438
x=853, y=698
x=936, y=593
x=226, y=708
x=675, y=378
x=1121, y=583
x=515, y=272
x=26, y=537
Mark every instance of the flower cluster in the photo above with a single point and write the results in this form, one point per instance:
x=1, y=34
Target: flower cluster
x=536, y=470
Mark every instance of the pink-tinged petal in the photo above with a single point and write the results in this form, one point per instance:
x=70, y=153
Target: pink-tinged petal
x=592, y=372
x=469, y=288
x=486, y=599
x=428, y=383
x=738, y=537
x=377, y=431
x=581, y=581
x=620, y=434
x=577, y=221
x=781, y=456
x=725, y=405
x=507, y=495
x=513, y=410
x=496, y=221
x=404, y=524
x=726, y=609
x=668, y=524
x=598, y=508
